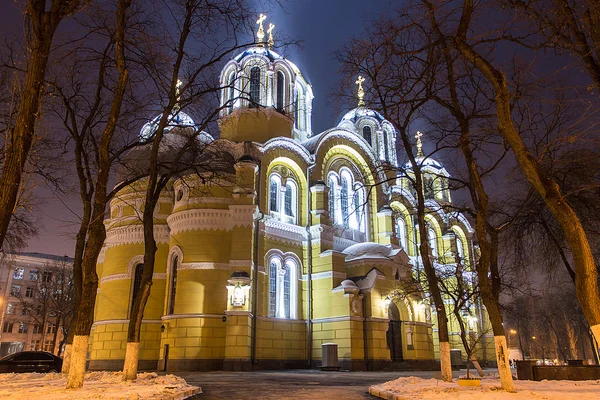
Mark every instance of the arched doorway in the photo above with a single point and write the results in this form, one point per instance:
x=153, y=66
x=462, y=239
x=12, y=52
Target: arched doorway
x=394, y=333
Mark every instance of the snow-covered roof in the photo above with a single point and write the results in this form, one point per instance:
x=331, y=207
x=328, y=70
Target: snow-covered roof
x=180, y=119
x=369, y=250
x=361, y=112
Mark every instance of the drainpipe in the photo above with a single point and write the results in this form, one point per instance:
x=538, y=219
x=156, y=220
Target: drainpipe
x=260, y=216
x=309, y=266
x=365, y=341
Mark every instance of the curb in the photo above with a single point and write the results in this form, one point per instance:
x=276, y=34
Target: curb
x=181, y=395
x=384, y=394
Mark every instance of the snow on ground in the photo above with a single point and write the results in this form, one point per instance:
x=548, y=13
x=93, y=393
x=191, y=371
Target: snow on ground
x=97, y=385
x=413, y=388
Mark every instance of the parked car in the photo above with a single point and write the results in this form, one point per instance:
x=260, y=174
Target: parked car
x=31, y=361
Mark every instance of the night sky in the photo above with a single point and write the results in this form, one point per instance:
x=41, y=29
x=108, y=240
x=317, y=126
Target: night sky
x=321, y=26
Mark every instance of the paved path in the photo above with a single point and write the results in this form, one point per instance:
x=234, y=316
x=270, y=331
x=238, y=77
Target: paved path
x=292, y=384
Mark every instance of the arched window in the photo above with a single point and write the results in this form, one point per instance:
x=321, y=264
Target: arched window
x=296, y=110
x=289, y=200
x=367, y=134
x=231, y=94
x=282, y=288
x=357, y=222
x=137, y=283
x=432, y=242
x=386, y=145
x=173, y=285
x=274, y=184
x=283, y=200
x=428, y=187
x=460, y=249
x=280, y=91
x=333, y=197
x=344, y=200
x=401, y=232
x=254, y=87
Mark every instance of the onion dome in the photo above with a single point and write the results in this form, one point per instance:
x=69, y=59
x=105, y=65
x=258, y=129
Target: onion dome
x=264, y=95
x=378, y=132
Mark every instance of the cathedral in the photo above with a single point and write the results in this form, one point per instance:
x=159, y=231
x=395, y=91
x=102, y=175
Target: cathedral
x=306, y=239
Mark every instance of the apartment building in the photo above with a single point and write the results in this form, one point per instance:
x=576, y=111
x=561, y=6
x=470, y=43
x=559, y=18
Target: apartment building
x=35, y=301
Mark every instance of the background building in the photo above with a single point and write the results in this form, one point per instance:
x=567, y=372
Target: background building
x=35, y=301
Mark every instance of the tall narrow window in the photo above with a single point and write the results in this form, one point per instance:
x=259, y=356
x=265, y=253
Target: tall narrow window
x=137, y=283
x=289, y=193
x=273, y=273
x=231, y=95
x=432, y=242
x=367, y=134
x=280, y=90
x=460, y=249
x=401, y=232
x=386, y=146
x=173, y=285
x=428, y=187
x=332, y=190
x=285, y=312
x=344, y=200
x=296, y=110
x=254, y=87
x=273, y=193
x=358, y=209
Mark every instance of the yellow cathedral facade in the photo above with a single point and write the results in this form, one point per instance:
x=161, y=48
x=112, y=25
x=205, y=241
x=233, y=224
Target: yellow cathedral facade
x=306, y=239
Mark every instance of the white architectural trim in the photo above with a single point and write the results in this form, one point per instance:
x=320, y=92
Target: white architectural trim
x=132, y=234
x=337, y=319
x=290, y=320
x=324, y=275
x=203, y=265
x=183, y=316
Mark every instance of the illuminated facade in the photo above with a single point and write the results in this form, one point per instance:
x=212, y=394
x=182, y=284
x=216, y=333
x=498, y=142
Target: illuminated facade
x=310, y=240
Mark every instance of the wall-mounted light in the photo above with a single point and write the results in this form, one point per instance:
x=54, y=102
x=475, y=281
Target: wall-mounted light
x=387, y=301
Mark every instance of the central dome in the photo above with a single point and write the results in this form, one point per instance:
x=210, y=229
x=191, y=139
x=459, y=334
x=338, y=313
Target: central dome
x=378, y=132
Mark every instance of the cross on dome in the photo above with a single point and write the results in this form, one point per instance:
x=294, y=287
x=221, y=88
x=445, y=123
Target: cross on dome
x=361, y=92
x=178, y=86
x=271, y=41
x=419, y=144
x=260, y=34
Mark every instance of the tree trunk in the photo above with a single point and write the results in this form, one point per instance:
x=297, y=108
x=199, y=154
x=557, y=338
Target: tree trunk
x=131, y=361
x=586, y=273
x=97, y=231
x=78, y=359
x=67, y=358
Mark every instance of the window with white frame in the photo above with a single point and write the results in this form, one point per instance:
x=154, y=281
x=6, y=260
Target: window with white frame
x=401, y=233
x=432, y=242
x=18, y=274
x=255, y=87
x=231, y=91
x=347, y=200
x=460, y=250
x=283, y=287
x=283, y=198
x=279, y=101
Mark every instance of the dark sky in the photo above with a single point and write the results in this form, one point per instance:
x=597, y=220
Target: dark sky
x=322, y=27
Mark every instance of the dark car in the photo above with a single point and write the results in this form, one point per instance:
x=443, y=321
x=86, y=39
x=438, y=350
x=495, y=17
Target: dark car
x=31, y=361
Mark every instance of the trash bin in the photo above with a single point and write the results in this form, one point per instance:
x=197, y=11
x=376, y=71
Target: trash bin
x=329, y=357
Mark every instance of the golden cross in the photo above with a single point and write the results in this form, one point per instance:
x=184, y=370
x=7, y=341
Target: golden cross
x=419, y=144
x=271, y=41
x=260, y=34
x=177, y=95
x=361, y=92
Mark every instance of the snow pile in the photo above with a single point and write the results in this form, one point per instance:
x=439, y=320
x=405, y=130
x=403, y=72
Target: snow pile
x=97, y=385
x=413, y=388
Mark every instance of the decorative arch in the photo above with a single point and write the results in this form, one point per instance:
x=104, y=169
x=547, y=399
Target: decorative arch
x=284, y=272
x=135, y=260
x=296, y=175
